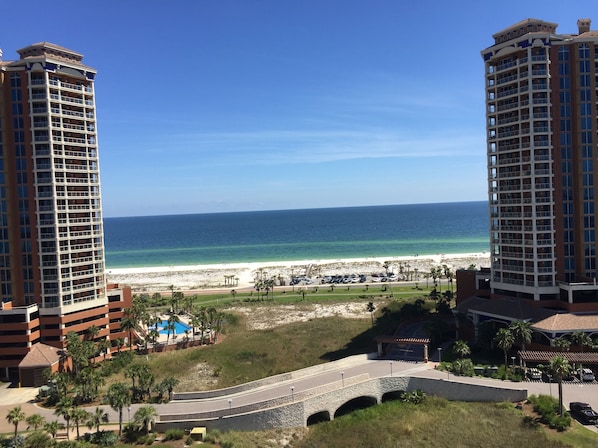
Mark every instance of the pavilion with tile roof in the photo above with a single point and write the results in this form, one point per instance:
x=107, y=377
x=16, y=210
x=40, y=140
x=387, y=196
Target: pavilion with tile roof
x=33, y=365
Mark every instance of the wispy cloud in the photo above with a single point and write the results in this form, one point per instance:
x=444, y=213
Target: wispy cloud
x=284, y=147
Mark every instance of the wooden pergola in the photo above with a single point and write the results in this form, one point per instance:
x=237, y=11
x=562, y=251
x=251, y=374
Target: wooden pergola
x=544, y=357
x=402, y=341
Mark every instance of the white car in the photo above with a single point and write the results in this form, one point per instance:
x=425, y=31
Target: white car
x=534, y=374
x=586, y=375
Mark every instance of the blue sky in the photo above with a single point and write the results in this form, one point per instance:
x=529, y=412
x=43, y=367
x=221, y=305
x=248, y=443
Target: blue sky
x=230, y=105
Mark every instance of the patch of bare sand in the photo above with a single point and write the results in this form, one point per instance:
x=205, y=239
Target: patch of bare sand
x=262, y=318
x=201, y=377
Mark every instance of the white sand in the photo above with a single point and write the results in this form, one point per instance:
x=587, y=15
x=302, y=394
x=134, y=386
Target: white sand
x=189, y=278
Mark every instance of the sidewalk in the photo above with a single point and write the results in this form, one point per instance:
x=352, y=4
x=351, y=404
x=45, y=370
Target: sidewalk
x=11, y=397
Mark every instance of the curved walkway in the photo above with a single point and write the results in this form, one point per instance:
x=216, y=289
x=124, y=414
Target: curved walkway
x=297, y=385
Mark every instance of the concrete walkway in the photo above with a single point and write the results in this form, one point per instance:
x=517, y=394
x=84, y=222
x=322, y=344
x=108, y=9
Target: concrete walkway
x=343, y=371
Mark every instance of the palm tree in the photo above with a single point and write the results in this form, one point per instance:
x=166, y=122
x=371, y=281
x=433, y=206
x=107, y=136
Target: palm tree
x=35, y=421
x=522, y=332
x=563, y=344
x=170, y=383
x=173, y=319
x=119, y=342
x=118, y=397
x=14, y=417
x=96, y=418
x=79, y=416
x=172, y=298
x=371, y=308
x=504, y=340
x=53, y=427
x=104, y=347
x=92, y=332
x=64, y=409
x=132, y=371
x=559, y=368
x=144, y=416
x=128, y=323
x=146, y=380
x=461, y=349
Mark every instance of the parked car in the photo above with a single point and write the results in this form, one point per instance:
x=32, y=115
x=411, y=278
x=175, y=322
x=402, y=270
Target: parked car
x=583, y=412
x=586, y=374
x=534, y=374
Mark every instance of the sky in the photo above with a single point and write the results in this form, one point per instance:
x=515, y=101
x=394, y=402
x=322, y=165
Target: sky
x=237, y=105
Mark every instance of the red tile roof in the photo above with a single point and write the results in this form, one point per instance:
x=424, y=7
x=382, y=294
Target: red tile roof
x=41, y=355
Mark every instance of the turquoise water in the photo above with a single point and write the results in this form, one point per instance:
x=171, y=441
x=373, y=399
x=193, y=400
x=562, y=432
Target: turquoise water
x=179, y=327
x=313, y=234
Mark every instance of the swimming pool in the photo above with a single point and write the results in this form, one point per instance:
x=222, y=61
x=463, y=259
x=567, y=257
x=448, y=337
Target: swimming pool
x=179, y=327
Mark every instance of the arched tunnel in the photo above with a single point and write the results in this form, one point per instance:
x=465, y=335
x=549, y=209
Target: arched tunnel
x=355, y=404
x=318, y=417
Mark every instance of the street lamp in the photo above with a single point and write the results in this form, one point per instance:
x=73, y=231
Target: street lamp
x=513, y=361
x=439, y=355
x=343, y=378
x=230, y=406
x=391, y=367
x=292, y=393
x=129, y=411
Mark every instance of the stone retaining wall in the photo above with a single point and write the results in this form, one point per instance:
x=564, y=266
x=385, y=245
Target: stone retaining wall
x=285, y=413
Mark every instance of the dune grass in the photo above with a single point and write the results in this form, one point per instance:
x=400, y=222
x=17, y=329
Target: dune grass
x=244, y=356
x=434, y=423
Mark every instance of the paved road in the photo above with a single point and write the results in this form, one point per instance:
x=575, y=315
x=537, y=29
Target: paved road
x=342, y=376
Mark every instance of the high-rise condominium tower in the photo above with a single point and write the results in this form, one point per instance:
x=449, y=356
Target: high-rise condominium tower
x=542, y=149
x=51, y=238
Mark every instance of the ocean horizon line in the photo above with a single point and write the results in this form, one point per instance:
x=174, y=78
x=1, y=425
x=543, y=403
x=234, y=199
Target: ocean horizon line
x=293, y=209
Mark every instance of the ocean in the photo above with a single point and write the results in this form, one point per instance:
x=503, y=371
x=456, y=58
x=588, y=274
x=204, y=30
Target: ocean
x=311, y=234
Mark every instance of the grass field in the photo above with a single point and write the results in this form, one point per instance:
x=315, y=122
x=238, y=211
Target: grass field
x=434, y=423
x=243, y=355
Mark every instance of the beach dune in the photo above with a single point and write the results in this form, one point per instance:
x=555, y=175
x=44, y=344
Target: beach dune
x=242, y=275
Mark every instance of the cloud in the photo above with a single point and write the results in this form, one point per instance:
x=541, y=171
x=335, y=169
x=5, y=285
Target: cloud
x=310, y=147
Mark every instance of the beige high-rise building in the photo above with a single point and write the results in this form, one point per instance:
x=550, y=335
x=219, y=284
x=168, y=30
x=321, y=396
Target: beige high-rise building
x=542, y=149
x=51, y=236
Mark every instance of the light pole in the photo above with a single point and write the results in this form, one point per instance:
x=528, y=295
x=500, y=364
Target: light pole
x=129, y=412
x=293, y=393
x=439, y=355
x=230, y=406
x=391, y=367
x=343, y=378
x=513, y=362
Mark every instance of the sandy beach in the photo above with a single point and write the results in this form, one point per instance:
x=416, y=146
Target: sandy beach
x=215, y=276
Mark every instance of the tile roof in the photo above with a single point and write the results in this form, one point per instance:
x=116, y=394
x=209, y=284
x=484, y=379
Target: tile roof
x=568, y=322
x=41, y=355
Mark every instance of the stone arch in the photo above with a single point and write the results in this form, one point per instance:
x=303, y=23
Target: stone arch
x=318, y=417
x=354, y=404
x=392, y=395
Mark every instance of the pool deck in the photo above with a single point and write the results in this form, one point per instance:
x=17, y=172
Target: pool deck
x=175, y=338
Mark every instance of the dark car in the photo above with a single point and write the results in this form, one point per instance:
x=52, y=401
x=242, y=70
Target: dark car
x=583, y=412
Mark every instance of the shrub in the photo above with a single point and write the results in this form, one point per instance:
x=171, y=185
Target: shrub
x=174, y=434
x=213, y=436
x=190, y=441
x=560, y=423
x=548, y=408
x=104, y=438
x=146, y=439
x=530, y=422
